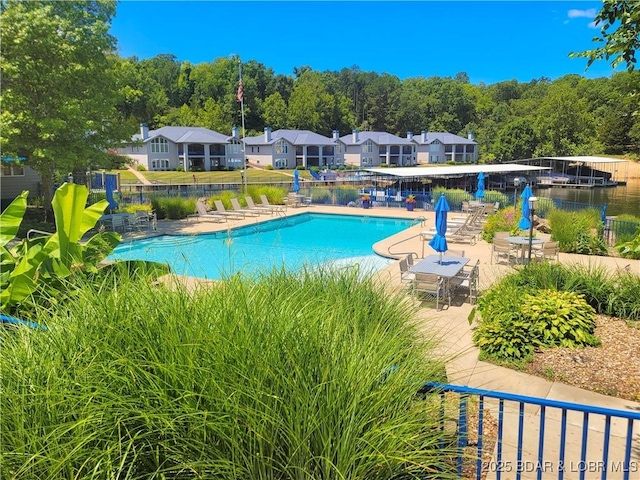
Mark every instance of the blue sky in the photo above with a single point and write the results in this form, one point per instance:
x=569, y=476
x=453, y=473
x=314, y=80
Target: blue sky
x=491, y=41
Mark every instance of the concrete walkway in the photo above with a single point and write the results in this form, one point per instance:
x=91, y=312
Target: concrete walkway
x=453, y=331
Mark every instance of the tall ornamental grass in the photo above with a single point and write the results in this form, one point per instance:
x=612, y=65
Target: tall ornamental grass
x=312, y=376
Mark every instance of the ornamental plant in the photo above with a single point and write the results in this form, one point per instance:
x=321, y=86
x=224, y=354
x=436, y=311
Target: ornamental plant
x=231, y=380
x=365, y=198
x=411, y=199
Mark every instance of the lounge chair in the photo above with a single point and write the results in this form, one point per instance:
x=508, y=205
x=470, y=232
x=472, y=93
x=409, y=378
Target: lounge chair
x=203, y=214
x=244, y=211
x=275, y=208
x=220, y=210
x=258, y=208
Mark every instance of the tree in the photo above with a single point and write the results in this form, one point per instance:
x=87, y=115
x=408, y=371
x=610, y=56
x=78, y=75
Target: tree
x=60, y=87
x=310, y=105
x=621, y=43
x=275, y=111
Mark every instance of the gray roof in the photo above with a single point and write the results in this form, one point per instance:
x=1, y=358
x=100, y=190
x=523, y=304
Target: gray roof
x=295, y=137
x=187, y=135
x=444, y=137
x=380, y=138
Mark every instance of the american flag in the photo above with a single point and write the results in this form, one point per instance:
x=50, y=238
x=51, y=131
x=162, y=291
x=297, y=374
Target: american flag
x=240, y=91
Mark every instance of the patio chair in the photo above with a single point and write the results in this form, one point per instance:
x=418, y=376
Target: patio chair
x=467, y=281
x=431, y=286
x=220, y=210
x=246, y=212
x=500, y=249
x=203, y=214
x=257, y=208
x=547, y=251
x=406, y=277
x=501, y=235
x=142, y=219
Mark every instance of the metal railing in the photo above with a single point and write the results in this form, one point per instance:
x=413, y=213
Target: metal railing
x=562, y=438
x=616, y=231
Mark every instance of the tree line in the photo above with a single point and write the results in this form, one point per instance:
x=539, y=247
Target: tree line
x=68, y=99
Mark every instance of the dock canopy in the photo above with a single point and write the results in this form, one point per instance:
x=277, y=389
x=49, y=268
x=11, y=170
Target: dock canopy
x=455, y=170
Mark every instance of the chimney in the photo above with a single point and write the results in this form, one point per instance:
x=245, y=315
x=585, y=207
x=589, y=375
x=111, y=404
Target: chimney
x=144, y=131
x=409, y=135
x=355, y=136
x=470, y=136
x=235, y=132
x=424, y=136
x=267, y=134
x=336, y=134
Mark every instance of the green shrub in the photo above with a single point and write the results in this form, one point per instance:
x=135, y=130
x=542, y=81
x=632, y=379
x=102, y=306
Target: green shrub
x=514, y=323
x=631, y=247
x=268, y=167
x=243, y=379
x=578, y=231
x=624, y=299
x=544, y=208
x=560, y=319
x=274, y=194
x=141, y=168
x=321, y=195
x=493, y=196
x=173, y=208
x=344, y=195
x=504, y=220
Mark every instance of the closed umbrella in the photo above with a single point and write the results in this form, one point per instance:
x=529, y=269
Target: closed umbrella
x=480, y=191
x=296, y=181
x=525, y=222
x=439, y=242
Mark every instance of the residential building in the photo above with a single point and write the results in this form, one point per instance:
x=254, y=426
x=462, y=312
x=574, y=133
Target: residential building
x=16, y=177
x=372, y=149
x=443, y=147
x=290, y=148
x=189, y=148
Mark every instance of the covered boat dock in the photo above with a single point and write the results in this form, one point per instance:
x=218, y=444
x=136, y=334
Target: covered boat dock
x=579, y=171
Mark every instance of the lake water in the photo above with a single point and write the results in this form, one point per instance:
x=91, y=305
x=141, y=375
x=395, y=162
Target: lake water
x=619, y=200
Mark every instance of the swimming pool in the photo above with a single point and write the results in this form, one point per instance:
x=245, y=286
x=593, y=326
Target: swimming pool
x=302, y=240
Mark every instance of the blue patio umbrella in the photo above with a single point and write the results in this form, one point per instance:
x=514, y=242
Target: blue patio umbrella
x=296, y=181
x=525, y=222
x=439, y=242
x=480, y=191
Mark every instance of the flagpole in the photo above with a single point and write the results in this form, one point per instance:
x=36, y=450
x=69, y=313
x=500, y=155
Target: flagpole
x=244, y=143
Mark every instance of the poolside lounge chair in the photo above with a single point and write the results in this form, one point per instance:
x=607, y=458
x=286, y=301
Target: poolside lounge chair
x=258, y=208
x=220, y=210
x=244, y=211
x=203, y=214
x=275, y=208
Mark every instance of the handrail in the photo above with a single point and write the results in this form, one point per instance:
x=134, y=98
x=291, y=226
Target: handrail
x=37, y=231
x=517, y=457
x=398, y=243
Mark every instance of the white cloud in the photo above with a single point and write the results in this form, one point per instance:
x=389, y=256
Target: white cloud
x=575, y=13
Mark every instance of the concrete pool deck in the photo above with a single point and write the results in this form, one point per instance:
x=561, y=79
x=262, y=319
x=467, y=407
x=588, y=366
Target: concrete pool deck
x=451, y=327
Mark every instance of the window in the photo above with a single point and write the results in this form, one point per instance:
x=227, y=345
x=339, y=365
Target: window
x=367, y=147
x=367, y=160
x=281, y=162
x=159, y=145
x=339, y=148
x=235, y=148
x=160, y=164
x=12, y=170
x=281, y=147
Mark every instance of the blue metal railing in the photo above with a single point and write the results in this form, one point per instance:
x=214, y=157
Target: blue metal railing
x=620, y=460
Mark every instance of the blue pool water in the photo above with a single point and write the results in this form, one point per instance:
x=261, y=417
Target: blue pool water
x=293, y=242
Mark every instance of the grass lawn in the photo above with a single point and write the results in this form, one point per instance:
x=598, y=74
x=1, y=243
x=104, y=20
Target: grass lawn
x=253, y=175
